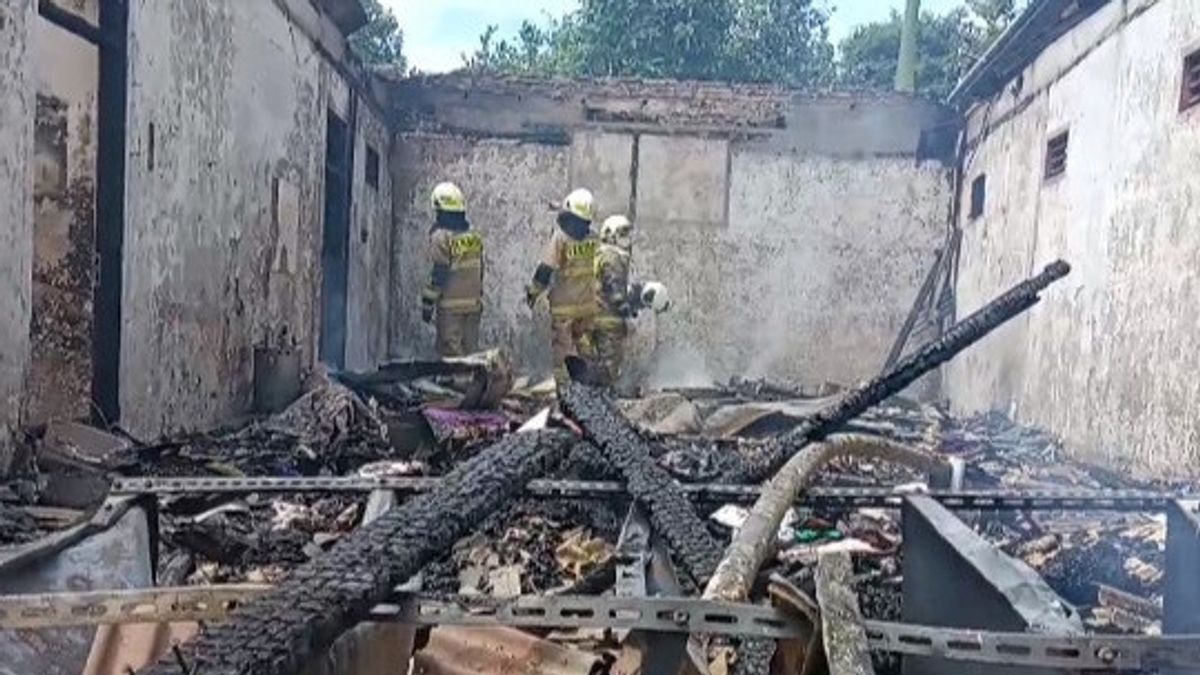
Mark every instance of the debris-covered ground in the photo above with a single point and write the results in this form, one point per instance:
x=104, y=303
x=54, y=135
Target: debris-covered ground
x=422, y=420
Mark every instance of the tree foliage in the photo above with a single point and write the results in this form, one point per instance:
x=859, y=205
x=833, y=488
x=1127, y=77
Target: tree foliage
x=993, y=15
x=781, y=41
x=380, y=42
x=869, y=54
x=745, y=40
x=778, y=41
x=948, y=46
x=535, y=50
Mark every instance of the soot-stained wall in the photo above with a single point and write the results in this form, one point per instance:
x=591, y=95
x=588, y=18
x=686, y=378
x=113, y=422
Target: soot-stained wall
x=224, y=206
x=793, y=231
x=17, y=105
x=1108, y=359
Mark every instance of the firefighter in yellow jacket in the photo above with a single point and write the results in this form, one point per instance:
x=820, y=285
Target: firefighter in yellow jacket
x=619, y=300
x=455, y=290
x=566, y=273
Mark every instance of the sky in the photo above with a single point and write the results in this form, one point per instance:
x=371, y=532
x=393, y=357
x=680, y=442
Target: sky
x=438, y=32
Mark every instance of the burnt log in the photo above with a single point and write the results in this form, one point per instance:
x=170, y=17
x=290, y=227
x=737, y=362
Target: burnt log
x=856, y=401
x=281, y=631
x=669, y=510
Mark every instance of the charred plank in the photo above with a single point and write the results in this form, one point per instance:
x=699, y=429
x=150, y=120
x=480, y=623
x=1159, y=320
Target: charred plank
x=670, y=511
x=856, y=401
x=280, y=632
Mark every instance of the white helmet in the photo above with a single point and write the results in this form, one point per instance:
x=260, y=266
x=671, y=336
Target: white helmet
x=617, y=230
x=447, y=197
x=655, y=296
x=581, y=204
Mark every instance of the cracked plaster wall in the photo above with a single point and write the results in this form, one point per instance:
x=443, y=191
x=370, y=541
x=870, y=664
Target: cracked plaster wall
x=224, y=206
x=16, y=210
x=1108, y=359
x=793, y=231
x=60, y=375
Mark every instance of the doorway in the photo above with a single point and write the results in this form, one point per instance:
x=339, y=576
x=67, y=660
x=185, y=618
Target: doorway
x=79, y=175
x=335, y=250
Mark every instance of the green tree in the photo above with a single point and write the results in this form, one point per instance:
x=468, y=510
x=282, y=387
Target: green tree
x=682, y=39
x=380, y=42
x=948, y=46
x=993, y=16
x=544, y=51
x=783, y=41
x=946, y=49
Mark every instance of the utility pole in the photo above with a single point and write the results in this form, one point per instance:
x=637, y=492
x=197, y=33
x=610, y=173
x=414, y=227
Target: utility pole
x=906, y=68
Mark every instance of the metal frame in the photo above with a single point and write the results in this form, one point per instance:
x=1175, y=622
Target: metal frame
x=984, y=500
x=967, y=651
x=1181, y=599
x=207, y=603
x=105, y=517
x=954, y=578
x=663, y=615
x=644, y=568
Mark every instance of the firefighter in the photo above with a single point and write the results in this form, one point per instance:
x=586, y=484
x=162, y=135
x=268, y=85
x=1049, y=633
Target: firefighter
x=454, y=294
x=617, y=299
x=567, y=274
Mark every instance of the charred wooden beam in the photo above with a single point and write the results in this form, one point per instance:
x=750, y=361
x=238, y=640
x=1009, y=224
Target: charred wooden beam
x=281, y=631
x=855, y=401
x=670, y=511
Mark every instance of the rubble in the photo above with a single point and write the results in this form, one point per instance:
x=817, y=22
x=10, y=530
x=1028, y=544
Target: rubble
x=530, y=536
x=328, y=431
x=280, y=631
x=17, y=526
x=470, y=537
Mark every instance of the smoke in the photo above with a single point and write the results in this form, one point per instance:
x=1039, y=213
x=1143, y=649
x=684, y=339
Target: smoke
x=678, y=366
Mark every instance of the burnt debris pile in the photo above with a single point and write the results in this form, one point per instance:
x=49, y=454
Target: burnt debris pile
x=462, y=483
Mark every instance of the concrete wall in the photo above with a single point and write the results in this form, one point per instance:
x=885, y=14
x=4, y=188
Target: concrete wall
x=507, y=184
x=227, y=116
x=370, y=248
x=16, y=210
x=65, y=142
x=792, y=231
x=1108, y=360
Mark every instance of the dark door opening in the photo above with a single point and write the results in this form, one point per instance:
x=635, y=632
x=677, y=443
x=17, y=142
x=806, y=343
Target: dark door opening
x=336, y=241
x=79, y=187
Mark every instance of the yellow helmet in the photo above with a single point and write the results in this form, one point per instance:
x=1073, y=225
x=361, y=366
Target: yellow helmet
x=447, y=197
x=580, y=203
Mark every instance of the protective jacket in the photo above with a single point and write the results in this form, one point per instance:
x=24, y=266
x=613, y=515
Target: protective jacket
x=567, y=270
x=456, y=255
x=617, y=300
